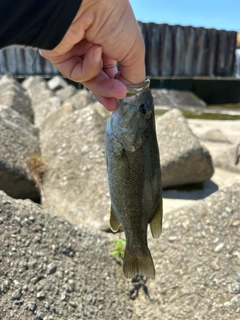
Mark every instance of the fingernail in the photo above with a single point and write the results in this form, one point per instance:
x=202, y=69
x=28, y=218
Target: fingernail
x=97, y=55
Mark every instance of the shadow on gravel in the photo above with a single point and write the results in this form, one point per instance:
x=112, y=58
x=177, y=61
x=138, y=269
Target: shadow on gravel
x=191, y=192
x=139, y=282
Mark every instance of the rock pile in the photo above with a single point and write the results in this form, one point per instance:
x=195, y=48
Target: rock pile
x=53, y=151
x=19, y=141
x=72, y=139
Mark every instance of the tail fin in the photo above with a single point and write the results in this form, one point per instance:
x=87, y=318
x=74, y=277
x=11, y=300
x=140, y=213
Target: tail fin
x=135, y=263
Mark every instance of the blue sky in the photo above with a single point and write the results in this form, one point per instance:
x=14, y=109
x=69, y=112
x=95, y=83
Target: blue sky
x=218, y=14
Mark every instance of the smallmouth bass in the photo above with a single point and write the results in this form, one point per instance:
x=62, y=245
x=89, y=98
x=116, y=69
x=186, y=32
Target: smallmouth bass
x=134, y=177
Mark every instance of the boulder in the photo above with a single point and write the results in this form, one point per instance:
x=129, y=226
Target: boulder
x=183, y=159
x=7, y=81
x=44, y=109
x=57, y=82
x=51, y=269
x=221, y=139
x=13, y=95
x=13, y=116
x=215, y=135
x=17, y=145
x=66, y=92
x=197, y=261
x=81, y=99
x=220, y=132
x=226, y=158
x=38, y=89
x=73, y=144
x=33, y=82
x=176, y=98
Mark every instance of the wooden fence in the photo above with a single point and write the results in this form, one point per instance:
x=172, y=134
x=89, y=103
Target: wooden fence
x=188, y=51
x=170, y=51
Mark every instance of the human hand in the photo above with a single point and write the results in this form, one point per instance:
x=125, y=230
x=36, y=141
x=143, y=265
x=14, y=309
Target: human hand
x=102, y=33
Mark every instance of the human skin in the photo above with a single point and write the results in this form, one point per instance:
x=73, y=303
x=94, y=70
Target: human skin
x=102, y=33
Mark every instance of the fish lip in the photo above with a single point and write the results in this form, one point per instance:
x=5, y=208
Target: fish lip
x=137, y=88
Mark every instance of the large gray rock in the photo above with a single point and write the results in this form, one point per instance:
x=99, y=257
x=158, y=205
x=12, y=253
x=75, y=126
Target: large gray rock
x=15, y=96
x=176, y=98
x=38, y=89
x=16, y=146
x=183, y=159
x=13, y=116
x=197, y=262
x=50, y=269
x=6, y=81
x=215, y=135
x=44, y=109
x=221, y=139
x=33, y=82
x=73, y=144
x=226, y=159
x=57, y=82
x=81, y=99
x=66, y=92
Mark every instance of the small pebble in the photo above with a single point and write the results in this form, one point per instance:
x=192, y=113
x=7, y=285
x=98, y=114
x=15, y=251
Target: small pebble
x=39, y=315
x=18, y=302
x=72, y=304
x=236, y=288
x=172, y=239
x=236, y=223
x=212, y=276
x=237, y=276
x=51, y=268
x=63, y=297
x=40, y=295
x=17, y=285
x=234, y=299
x=16, y=295
x=236, y=254
x=32, y=306
x=219, y=247
x=215, y=266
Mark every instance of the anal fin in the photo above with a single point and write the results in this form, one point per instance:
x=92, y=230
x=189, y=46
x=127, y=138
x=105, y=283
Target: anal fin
x=156, y=223
x=114, y=224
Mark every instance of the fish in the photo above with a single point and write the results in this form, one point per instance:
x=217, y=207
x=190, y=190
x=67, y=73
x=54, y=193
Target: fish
x=134, y=177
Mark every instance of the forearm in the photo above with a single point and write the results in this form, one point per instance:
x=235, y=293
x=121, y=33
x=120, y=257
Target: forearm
x=36, y=23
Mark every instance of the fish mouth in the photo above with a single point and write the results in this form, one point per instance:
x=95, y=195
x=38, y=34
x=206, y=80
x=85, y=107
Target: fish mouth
x=137, y=88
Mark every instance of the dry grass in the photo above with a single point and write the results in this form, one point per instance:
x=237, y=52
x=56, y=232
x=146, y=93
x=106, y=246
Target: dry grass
x=37, y=167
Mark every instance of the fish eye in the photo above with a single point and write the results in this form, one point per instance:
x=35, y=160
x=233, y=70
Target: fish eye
x=144, y=108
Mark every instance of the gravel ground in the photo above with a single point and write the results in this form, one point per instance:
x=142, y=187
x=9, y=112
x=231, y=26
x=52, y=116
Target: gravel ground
x=50, y=269
x=197, y=262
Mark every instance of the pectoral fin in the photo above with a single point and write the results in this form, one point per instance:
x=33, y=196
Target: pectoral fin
x=114, y=224
x=156, y=223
